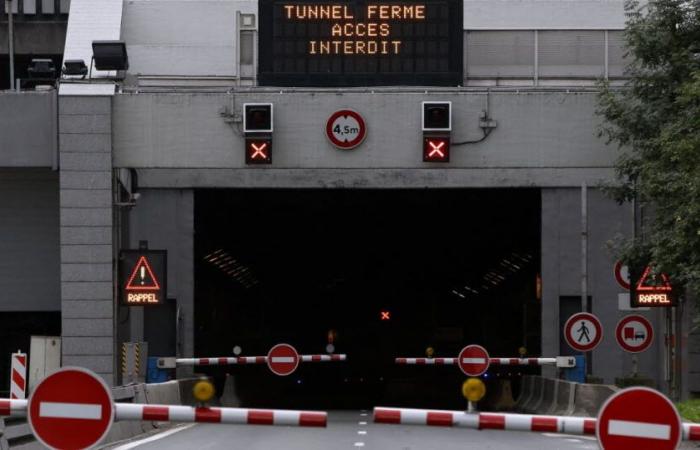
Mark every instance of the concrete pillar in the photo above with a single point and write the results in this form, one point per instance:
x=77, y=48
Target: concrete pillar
x=86, y=222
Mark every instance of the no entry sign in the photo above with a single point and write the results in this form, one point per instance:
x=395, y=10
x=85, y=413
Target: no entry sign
x=346, y=129
x=638, y=418
x=634, y=333
x=72, y=409
x=473, y=360
x=283, y=359
x=583, y=332
x=622, y=275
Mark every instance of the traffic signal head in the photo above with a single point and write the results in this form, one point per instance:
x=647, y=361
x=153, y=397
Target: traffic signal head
x=436, y=148
x=258, y=150
x=257, y=118
x=437, y=116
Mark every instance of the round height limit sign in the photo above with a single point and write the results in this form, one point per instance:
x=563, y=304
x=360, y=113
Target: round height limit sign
x=346, y=129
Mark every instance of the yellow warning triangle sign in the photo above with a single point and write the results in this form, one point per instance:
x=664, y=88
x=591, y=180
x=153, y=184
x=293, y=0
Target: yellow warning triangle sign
x=142, y=277
x=649, y=282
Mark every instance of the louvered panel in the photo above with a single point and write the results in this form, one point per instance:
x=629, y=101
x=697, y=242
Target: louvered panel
x=500, y=54
x=616, y=54
x=571, y=53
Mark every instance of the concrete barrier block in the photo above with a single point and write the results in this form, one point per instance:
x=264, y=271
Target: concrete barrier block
x=526, y=384
x=167, y=393
x=502, y=398
x=590, y=397
x=536, y=397
x=565, y=397
x=549, y=396
x=229, y=396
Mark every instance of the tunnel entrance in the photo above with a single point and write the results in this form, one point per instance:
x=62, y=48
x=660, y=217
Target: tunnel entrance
x=379, y=273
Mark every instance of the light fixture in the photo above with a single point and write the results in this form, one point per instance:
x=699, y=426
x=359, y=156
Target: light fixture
x=110, y=55
x=41, y=68
x=75, y=67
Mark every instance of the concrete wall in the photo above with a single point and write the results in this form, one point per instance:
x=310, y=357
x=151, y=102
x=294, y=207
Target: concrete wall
x=29, y=249
x=561, y=276
x=87, y=260
x=28, y=129
x=543, y=138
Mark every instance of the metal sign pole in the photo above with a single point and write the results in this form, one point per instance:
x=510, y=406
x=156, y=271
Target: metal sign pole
x=11, y=41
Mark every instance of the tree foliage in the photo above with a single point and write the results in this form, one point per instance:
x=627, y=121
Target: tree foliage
x=655, y=120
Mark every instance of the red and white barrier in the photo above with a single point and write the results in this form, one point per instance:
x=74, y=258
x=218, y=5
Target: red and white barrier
x=246, y=360
x=187, y=414
x=13, y=408
x=558, y=361
x=523, y=361
x=18, y=376
x=486, y=421
x=426, y=361
x=691, y=432
x=497, y=421
x=241, y=360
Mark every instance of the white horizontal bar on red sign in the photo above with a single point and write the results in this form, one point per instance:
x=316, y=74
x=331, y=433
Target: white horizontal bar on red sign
x=691, y=432
x=224, y=361
x=13, y=407
x=523, y=361
x=322, y=358
x=486, y=421
x=427, y=361
x=240, y=416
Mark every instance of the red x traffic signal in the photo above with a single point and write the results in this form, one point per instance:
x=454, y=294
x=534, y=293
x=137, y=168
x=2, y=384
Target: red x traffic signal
x=258, y=151
x=436, y=148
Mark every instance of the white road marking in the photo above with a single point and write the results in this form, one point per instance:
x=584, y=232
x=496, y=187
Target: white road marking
x=362, y=423
x=570, y=436
x=639, y=429
x=363, y=414
x=156, y=437
x=83, y=411
x=283, y=359
x=473, y=360
x=359, y=444
x=362, y=432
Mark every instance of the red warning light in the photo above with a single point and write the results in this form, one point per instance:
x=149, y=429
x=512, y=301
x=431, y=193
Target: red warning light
x=385, y=315
x=436, y=149
x=258, y=151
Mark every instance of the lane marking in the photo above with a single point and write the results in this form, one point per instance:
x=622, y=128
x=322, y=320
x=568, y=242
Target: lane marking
x=362, y=423
x=58, y=410
x=362, y=432
x=570, y=436
x=639, y=429
x=283, y=359
x=359, y=444
x=473, y=360
x=156, y=437
x=363, y=414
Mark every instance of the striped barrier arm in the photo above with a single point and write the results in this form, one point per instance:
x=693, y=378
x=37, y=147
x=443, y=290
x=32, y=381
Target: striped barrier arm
x=239, y=360
x=497, y=421
x=13, y=407
x=243, y=360
x=691, y=432
x=523, y=361
x=486, y=421
x=322, y=358
x=427, y=361
x=239, y=416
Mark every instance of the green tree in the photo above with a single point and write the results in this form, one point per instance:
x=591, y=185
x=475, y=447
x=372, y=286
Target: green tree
x=655, y=120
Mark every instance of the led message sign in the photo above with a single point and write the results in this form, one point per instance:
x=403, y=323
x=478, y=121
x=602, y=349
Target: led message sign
x=360, y=43
x=653, y=291
x=142, y=277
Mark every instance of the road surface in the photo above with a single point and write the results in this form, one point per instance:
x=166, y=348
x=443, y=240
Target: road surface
x=351, y=430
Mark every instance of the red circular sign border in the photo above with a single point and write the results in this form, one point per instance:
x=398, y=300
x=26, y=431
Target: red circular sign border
x=610, y=399
x=599, y=329
x=647, y=324
x=488, y=360
x=346, y=145
x=69, y=369
x=618, y=276
x=269, y=359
